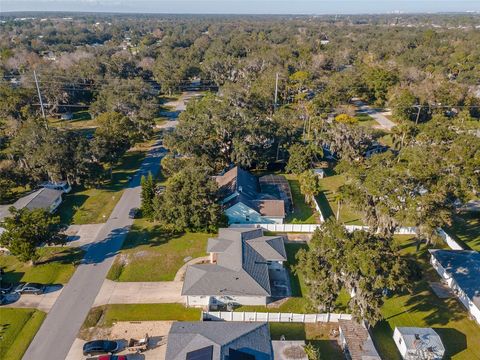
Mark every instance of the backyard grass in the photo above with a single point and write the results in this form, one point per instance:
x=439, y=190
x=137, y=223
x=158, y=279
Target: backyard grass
x=423, y=308
x=466, y=228
x=17, y=329
x=316, y=334
x=105, y=316
x=298, y=303
x=55, y=265
x=326, y=201
x=302, y=212
x=91, y=206
x=151, y=254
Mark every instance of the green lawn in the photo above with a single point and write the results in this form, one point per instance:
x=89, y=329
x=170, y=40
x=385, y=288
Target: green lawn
x=55, y=266
x=422, y=308
x=302, y=212
x=317, y=334
x=366, y=120
x=466, y=228
x=89, y=206
x=328, y=204
x=17, y=329
x=151, y=254
x=105, y=316
x=297, y=303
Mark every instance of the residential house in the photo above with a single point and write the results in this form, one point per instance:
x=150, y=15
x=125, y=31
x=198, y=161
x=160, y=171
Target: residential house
x=415, y=343
x=225, y=340
x=219, y=340
x=356, y=342
x=48, y=199
x=460, y=269
x=240, y=195
x=243, y=264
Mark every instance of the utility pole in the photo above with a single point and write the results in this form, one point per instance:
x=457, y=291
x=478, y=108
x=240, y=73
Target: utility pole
x=39, y=94
x=276, y=91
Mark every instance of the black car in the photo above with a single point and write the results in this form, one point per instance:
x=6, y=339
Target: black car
x=30, y=288
x=97, y=347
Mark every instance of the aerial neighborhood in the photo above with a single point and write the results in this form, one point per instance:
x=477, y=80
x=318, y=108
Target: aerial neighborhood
x=239, y=187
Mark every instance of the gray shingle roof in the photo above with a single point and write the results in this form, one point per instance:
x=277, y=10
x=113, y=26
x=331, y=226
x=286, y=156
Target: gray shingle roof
x=417, y=338
x=464, y=267
x=241, y=267
x=40, y=199
x=251, y=338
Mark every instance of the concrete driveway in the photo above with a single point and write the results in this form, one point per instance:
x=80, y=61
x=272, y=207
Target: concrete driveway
x=42, y=302
x=377, y=115
x=116, y=292
x=82, y=235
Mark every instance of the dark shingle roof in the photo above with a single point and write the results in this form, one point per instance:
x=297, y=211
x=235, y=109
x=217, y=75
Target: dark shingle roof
x=464, y=267
x=251, y=338
x=246, y=187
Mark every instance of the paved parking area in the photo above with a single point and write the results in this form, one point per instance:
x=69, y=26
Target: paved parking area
x=42, y=302
x=116, y=292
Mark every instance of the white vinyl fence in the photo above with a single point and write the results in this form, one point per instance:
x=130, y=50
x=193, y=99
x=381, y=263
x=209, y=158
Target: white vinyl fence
x=273, y=317
x=449, y=240
x=310, y=228
x=317, y=207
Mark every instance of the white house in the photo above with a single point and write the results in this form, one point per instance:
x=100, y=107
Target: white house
x=242, y=201
x=319, y=172
x=460, y=269
x=238, y=272
x=415, y=343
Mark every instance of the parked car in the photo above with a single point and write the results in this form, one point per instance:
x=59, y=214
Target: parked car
x=3, y=299
x=108, y=357
x=5, y=287
x=97, y=347
x=30, y=288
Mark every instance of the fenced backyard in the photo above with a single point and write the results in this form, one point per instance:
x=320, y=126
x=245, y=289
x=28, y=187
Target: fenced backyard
x=273, y=317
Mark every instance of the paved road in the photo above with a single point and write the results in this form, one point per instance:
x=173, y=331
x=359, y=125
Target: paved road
x=375, y=114
x=59, y=330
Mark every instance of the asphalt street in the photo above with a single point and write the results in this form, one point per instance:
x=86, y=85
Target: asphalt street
x=60, y=328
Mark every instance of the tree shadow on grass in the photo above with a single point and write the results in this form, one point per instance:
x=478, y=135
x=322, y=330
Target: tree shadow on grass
x=67, y=256
x=70, y=205
x=155, y=236
x=436, y=311
x=12, y=276
x=324, y=205
x=329, y=349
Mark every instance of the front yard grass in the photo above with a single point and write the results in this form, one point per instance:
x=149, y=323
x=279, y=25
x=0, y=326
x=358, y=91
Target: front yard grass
x=466, y=228
x=151, y=254
x=17, y=329
x=302, y=212
x=92, y=206
x=423, y=308
x=55, y=265
x=105, y=316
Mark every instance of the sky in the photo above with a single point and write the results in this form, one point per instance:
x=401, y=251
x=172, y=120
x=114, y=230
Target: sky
x=243, y=6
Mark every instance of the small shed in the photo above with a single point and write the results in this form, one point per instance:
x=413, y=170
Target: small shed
x=415, y=343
